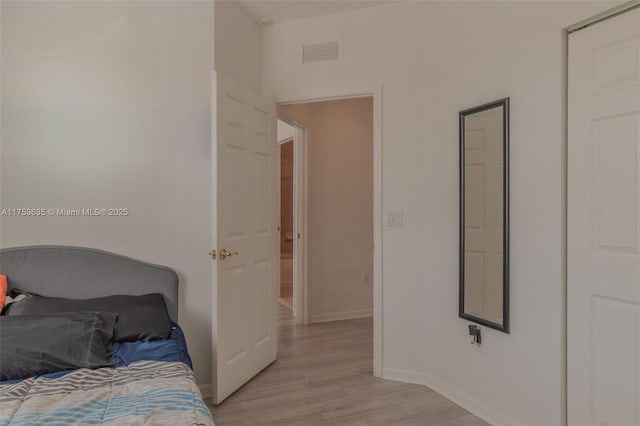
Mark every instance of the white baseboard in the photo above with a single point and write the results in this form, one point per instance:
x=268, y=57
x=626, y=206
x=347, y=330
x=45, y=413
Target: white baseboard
x=206, y=390
x=337, y=316
x=470, y=404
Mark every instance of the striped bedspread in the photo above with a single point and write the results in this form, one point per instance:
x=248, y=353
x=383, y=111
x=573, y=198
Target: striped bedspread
x=144, y=392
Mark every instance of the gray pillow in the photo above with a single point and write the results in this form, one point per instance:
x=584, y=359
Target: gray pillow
x=31, y=345
x=139, y=317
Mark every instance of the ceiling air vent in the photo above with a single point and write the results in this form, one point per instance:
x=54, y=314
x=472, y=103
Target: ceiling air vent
x=321, y=52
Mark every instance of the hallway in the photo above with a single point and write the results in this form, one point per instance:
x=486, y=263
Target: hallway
x=323, y=376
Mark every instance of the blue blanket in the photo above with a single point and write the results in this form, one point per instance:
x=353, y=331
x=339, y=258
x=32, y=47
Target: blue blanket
x=173, y=349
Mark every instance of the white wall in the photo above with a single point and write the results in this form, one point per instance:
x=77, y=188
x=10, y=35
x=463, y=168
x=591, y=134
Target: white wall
x=238, y=52
x=107, y=104
x=434, y=59
x=340, y=210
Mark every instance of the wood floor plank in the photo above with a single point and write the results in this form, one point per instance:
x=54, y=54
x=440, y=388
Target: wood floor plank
x=323, y=377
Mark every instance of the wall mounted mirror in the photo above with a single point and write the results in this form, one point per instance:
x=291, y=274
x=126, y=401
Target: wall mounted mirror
x=484, y=214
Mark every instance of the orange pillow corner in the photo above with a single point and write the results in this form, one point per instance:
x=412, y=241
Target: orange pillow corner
x=3, y=290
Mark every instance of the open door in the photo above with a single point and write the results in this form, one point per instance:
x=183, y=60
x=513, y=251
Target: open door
x=246, y=254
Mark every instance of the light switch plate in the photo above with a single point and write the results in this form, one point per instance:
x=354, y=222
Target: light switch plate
x=394, y=218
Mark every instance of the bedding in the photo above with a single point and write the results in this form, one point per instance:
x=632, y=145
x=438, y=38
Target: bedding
x=143, y=392
x=174, y=348
x=150, y=383
x=35, y=345
x=139, y=317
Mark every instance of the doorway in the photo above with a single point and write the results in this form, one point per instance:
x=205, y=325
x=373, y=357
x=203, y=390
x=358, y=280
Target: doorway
x=288, y=238
x=331, y=203
x=247, y=246
x=292, y=200
x=373, y=91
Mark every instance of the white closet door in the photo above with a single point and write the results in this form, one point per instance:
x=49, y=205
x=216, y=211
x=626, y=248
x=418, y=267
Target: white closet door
x=603, y=210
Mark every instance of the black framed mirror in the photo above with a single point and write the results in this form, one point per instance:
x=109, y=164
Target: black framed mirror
x=484, y=214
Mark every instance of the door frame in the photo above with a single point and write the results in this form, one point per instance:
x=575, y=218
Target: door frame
x=373, y=90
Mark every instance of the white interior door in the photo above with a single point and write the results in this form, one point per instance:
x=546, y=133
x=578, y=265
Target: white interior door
x=245, y=218
x=603, y=213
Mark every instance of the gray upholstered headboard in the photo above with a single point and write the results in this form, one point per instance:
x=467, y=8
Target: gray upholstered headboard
x=80, y=273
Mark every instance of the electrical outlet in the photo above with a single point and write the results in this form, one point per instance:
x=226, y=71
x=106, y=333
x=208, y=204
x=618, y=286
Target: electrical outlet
x=394, y=218
x=475, y=335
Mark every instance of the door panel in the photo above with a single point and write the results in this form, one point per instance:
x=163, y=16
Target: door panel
x=615, y=168
x=262, y=166
x=603, y=224
x=615, y=397
x=245, y=220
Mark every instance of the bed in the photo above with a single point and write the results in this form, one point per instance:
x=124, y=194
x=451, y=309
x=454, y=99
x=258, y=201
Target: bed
x=128, y=381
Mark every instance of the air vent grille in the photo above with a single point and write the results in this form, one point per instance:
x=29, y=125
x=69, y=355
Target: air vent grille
x=321, y=52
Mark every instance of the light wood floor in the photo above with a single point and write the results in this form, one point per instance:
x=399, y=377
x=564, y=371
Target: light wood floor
x=323, y=376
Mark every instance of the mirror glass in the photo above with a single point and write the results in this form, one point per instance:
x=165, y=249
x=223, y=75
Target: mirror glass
x=484, y=215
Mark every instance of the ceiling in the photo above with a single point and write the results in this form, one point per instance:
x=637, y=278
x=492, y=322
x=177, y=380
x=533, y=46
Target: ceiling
x=277, y=11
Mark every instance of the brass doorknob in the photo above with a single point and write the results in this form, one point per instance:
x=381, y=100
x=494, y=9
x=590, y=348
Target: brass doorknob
x=224, y=253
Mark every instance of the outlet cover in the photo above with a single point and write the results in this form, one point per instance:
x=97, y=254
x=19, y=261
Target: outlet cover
x=394, y=218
